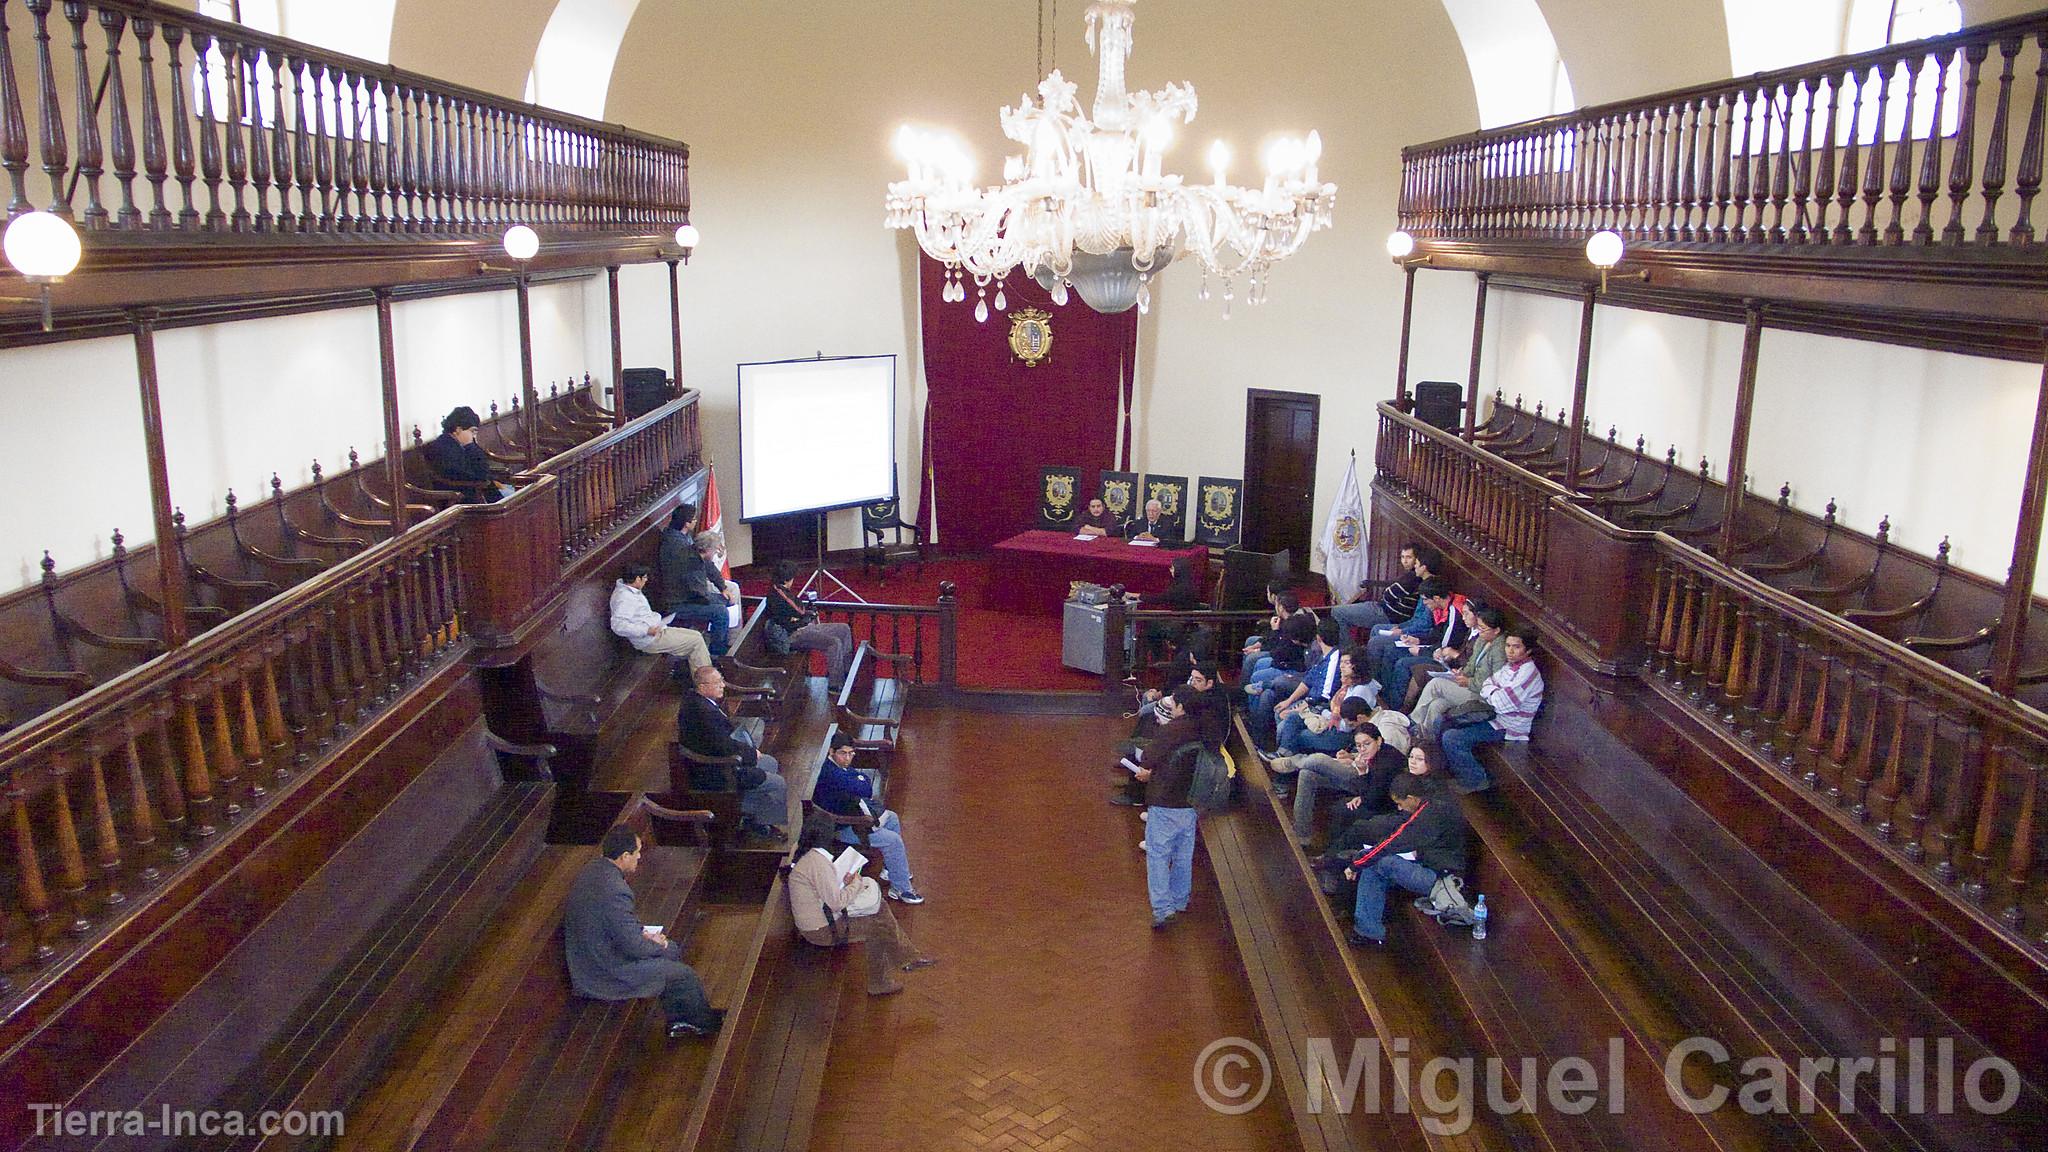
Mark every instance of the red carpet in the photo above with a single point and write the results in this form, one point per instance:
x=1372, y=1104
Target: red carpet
x=996, y=649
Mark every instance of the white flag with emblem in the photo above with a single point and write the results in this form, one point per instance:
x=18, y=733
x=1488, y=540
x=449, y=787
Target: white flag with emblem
x=1343, y=541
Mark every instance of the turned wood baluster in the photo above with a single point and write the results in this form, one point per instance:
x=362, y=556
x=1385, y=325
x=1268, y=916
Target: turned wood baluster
x=1930, y=156
x=70, y=858
x=29, y=890
x=1781, y=167
x=342, y=690
x=1736, y=688
x=121, y=134
x=305, y=143
x=48, y=104
x=281, y=153
x=1856, y=789
x=1956, y=811
x=370, y=149
x=170, y=789
x=1836, y=763
x=312, y=701
x=2029, y=180
x=199, y=797
x=1901, y=188
x=1962, y=170
x=1846, y=178
x=1977, y=872
x=1891, y=783
x=209, y=132
x=1822, y=190
x=13, y=143
x=1703, y=654
x=430, y=164
x=404, y=164
x=255, y=62
x=155, y=158
x=106, y=841
x=1682, y=661
x=1873, y=176
x=369, y=618
x=2020, y=855
x=419, y=640
x=277, y=735
x=449, y=564
x=362, y=663
x=1995, y=147
x=1684, y=171
x=313, y=90
x=342, y=142
x=232, y=71
x=1793, y=721
x=1809, y=217
x=1771, y=713
x=1814, y=742
x=143, y=822
x=448, y=214
x=1715, y=628
x=1675, y=585
x=249, y=727
x=390, y=628
x=183, y=165
x=227, y=764
x=1755, y=698
x=1744, y=156
x=1660, y=595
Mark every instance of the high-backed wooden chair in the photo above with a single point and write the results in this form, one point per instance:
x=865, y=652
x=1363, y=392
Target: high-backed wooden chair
x=887, y=539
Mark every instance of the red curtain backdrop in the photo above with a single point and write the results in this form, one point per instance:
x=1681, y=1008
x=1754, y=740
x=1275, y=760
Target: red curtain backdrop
x=991, y=422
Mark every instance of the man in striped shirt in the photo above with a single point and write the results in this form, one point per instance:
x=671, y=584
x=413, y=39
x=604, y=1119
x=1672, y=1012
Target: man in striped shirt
x=1516, y=692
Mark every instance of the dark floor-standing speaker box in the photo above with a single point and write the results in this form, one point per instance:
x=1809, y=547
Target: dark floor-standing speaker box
x=1440, y=404
x=646, y=389
x=1245, y=574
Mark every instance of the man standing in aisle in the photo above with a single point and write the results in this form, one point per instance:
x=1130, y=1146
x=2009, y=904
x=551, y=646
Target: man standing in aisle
x=1168, y=773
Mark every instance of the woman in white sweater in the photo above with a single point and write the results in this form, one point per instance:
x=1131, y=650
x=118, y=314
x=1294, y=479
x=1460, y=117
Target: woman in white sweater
x=818, y=897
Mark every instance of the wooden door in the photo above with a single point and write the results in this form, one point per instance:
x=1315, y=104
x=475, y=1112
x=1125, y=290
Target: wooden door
x=1280, y=471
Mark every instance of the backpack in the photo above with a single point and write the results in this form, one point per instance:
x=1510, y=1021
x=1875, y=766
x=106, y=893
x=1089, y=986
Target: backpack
x=1448, y=904
x=1211, y=789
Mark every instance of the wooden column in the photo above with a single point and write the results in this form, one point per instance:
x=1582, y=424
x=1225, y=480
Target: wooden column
x=170, y=563
x=394, y=455
x=530, y=424
x=675, y=329
x=1738, y=444
x=1401, y=363
x=1577, y=439
x=611, y=280
x=1478, y=345
x=2009, y=647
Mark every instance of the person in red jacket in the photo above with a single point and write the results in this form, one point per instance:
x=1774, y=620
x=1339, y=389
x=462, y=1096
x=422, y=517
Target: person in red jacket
x=1427, y=843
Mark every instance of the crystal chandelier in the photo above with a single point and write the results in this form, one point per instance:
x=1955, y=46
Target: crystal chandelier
x=1087, y=205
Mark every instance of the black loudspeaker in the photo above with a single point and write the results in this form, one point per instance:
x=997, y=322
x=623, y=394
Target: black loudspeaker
x=646, y=389
x=1440, y=404
x=1245, y=574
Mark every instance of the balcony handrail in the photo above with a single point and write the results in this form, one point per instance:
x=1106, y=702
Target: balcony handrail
x=562, y=461
x=66, y=720
x=2030, y=23
x=1471, y=451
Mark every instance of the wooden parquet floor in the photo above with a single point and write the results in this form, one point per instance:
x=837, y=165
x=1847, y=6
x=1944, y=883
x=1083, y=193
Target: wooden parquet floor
x=1056, y=1018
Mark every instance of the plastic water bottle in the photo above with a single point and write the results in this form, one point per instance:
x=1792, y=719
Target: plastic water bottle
x=1479, y=918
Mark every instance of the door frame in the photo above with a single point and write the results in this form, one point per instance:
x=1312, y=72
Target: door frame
x=1314, y=400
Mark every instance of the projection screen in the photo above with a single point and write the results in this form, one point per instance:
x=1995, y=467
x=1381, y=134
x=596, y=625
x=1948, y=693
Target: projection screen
x=816, y=434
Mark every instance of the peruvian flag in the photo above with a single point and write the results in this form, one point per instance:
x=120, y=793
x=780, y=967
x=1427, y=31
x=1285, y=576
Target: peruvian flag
x=713, y=519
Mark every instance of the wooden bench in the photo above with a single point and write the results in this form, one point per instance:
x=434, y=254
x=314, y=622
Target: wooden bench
x=876, y=721
x=300, y=1012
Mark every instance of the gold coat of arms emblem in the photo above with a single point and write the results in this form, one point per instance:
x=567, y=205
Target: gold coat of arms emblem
x=1031, y=335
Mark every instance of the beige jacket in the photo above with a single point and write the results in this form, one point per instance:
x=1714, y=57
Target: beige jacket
x=814, y=887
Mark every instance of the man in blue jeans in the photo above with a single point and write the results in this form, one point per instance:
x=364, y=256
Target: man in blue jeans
x=1168, y=772
x=843, y=791
x=703, y=597
x=1515, y=692
x=1427, y=843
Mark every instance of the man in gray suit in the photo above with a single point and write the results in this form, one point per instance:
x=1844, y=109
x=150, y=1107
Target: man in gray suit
x=611, y=957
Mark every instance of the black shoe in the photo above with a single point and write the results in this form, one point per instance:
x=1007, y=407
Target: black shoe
x=1364, y=941
x=677, y=1029
x=1123, y=800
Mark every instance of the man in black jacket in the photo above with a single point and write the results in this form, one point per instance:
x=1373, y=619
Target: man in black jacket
x=1432, y=830
x=703, y=727
x=1168, y=772
x=456, y=458
x=676, y=568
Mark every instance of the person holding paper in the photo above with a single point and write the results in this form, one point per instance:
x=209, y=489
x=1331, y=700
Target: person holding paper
x=1408, y=680
x=822, y=895
x=1449, y=689
x=702, y=596
x=1168, y=771
x=843, y=791
x=1098, y=521
x=613, y=957
x=633, y=618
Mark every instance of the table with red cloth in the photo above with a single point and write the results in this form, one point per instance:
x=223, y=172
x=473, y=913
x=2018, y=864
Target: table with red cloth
x=1031, y=570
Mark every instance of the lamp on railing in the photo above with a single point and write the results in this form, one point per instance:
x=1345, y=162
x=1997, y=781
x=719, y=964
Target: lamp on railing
x=1401, y=246
x=1604, y=249
x=44, y=248
x=686, y=239
x=521, y=243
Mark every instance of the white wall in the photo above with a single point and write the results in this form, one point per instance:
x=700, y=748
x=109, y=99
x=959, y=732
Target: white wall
x=244, y=400
x=1936, y=441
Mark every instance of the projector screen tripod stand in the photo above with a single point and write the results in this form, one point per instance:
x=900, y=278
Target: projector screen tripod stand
x=822, y=574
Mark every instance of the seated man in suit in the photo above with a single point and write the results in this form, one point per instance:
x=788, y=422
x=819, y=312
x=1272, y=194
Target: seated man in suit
x=1098, y=521
x=645, y=629
x=843, y=791
x=703, y=727
x=1154, y=525
x=612, y=957
x=456, y=458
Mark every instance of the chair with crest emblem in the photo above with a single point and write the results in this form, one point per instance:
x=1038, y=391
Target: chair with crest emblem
x=886, y=539
x=1059, y=497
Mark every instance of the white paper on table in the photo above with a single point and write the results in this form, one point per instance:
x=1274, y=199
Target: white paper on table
x=1143, y=543
x=1085, y=537
x=849, y=861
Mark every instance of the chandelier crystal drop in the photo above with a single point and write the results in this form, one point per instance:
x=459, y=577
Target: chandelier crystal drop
x=1088, y=203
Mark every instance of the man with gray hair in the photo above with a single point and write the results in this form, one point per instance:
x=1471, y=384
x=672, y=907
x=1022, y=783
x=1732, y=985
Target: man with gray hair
x=1154, y=525
x=702, y=596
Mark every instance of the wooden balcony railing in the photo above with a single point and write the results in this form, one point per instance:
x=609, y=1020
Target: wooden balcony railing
x=607, y=481
x=146, y=119
x=1936, y=142
x=1494, y=508
x=1939, y=769
x=926, y=633
x=115, y=793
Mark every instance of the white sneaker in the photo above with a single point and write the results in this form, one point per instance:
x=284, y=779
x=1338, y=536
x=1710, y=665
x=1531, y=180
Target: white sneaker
x=1145, y=815
x=1142, y=847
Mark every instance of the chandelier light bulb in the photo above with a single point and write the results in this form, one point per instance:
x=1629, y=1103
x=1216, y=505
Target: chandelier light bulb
x=42, y=246
x=521, y=243
x=1400, y=244
x=686, y=236
x=1219, y=161
x=1604, y=249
